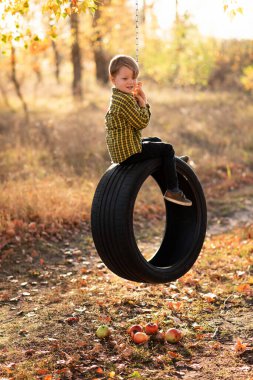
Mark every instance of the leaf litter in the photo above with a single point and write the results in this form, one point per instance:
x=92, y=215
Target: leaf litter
x=52, y=305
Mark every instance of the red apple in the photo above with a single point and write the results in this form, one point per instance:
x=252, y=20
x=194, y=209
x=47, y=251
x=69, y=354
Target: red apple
x=140, y=338
x=134, y=329
x=103, y=331
x=173, y=335
x=151, y=328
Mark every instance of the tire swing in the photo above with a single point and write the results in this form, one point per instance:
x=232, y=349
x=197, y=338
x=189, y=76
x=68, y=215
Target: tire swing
x=112, y=220
x=112, y=223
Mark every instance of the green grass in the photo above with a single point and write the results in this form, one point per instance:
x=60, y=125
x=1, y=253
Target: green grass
x=64, y=155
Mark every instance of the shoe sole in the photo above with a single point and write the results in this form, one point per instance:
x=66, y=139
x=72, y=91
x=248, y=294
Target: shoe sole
x=178, y=202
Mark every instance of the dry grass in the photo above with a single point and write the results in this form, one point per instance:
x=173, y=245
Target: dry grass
x=50, y=200
x=53, y=175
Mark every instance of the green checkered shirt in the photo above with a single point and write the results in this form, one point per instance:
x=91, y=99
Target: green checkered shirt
x=123, y=122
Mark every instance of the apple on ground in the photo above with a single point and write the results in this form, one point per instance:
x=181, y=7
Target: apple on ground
x=134, y=329
x=151, y=328
x=103, y=331
x=173, y=335
x=140, y=338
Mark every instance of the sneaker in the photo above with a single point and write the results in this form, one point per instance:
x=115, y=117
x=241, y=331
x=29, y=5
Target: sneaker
x=177, y=197
x=184, y=158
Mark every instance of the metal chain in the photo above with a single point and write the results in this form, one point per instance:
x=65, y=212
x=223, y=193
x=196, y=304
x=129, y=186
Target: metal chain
x=137, y=31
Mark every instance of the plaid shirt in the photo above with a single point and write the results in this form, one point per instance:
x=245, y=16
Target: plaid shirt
x=124, y=121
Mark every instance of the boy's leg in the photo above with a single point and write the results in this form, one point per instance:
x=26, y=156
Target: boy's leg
x=166, y=152
x=161, y=150
x=157, y=139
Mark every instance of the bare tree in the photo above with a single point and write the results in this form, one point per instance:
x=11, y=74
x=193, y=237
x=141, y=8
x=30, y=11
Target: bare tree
x=76, y=57
x=17, y=85
x=100, y=56
x=57, y=59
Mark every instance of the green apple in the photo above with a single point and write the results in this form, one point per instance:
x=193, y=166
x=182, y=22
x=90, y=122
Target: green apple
x=103, y=331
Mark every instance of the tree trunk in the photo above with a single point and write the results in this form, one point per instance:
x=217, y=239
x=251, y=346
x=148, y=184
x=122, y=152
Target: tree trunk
x=101, y=58
x=23, y=130
x=76, y=58
x=57, y=59
x=101, y=61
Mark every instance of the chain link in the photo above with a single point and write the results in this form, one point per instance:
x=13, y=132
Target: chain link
x=137, y=31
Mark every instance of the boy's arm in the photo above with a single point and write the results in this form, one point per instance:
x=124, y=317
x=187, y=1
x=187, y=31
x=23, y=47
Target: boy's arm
x=138, y=116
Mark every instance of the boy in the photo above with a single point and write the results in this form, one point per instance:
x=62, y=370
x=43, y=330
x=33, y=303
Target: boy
x=128, y=114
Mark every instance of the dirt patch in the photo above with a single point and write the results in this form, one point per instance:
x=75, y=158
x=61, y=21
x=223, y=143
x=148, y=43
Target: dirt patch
x=228, y=223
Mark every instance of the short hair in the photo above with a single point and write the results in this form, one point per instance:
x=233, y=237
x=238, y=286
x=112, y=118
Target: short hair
x=123, y=60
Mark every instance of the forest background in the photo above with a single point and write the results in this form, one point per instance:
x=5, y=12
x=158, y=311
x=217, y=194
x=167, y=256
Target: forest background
x=54, y=93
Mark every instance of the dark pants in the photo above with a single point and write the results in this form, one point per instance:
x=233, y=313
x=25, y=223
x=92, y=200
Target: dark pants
x=153, y=147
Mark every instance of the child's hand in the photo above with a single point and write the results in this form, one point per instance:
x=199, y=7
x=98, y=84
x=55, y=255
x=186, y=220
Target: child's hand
x=139, y=95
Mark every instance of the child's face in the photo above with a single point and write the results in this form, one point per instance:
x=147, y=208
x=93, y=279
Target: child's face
x=124, y=80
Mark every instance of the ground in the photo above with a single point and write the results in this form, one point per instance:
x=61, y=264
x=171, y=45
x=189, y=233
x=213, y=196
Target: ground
x=55, y=291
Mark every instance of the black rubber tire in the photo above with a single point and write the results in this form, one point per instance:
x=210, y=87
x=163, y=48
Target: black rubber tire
x=112, y=223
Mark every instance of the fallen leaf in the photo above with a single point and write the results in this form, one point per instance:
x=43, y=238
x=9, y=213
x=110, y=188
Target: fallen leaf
x=216, y=346
x=196, y=326
x=100, y=370
x=26, y=294
x=135, y=374
x=32, y=227
x=195, y=367
x=203, y=336
x=105, y=318
x=72, y=320
x=173, y=355
x=210, y=297
x=174, y=305
x=42, y=371
x=42, y=261
x=48, y=377
x=239, y=346
x=9, y=367
x=82, y=283
x=240, y=273
x=189, y=280
x=63, y=370
x=245, y=288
